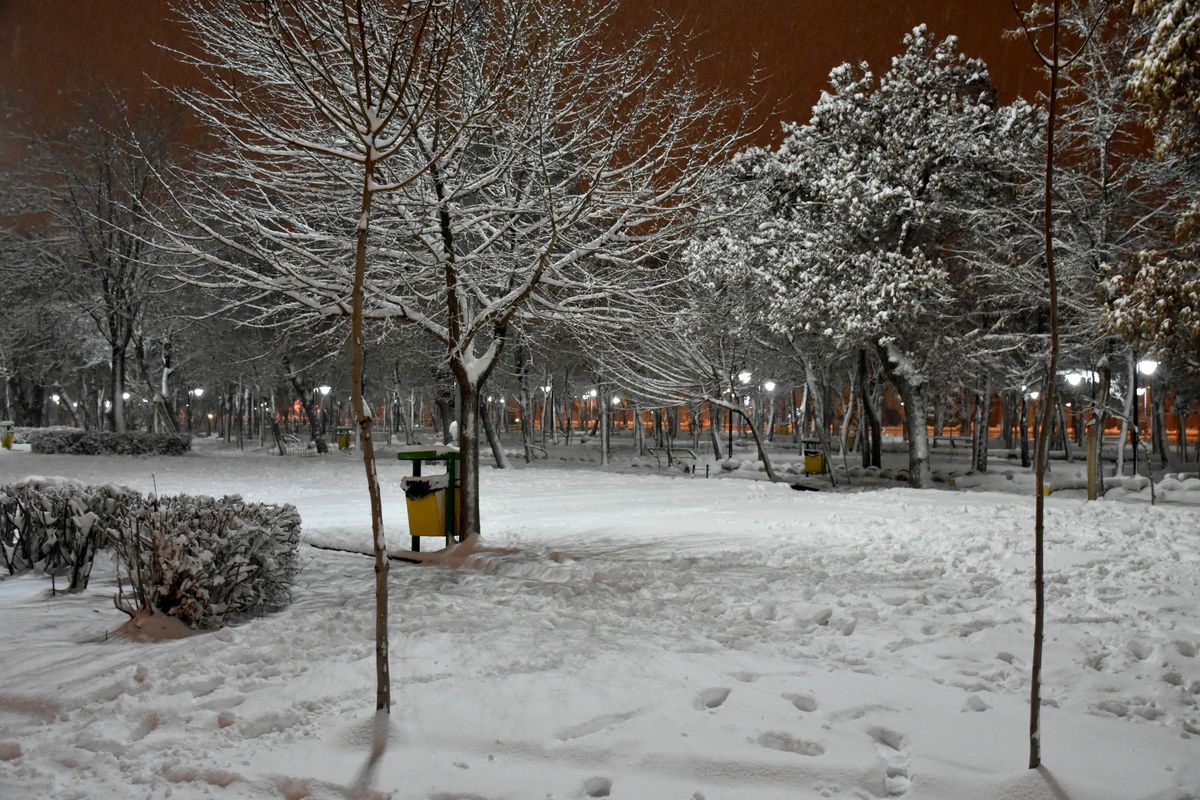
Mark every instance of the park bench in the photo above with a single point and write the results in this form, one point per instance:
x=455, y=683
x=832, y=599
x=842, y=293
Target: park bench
x=295, y=446
x=673, y=454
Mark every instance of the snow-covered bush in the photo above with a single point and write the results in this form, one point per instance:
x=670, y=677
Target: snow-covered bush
x=132, y=443
x=203, y=560
x=22, y=433
x=57, y=525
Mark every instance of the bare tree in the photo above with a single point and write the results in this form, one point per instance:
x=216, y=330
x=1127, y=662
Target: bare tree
x=309, y=104
x=514, y=187
x=1054, y=61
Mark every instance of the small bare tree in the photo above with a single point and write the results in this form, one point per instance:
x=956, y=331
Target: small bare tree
x=309, y=103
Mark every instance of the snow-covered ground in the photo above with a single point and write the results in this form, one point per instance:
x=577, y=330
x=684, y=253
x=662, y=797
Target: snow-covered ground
x=652, y=636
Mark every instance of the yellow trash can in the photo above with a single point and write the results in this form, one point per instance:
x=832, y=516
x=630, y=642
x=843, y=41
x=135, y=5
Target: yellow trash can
x=425, y=499
x=6, y=434
x=814, y=462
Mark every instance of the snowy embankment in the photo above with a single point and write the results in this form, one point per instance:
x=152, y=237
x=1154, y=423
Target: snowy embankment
x=650, y=637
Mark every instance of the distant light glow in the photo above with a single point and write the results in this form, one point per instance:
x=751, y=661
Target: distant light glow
x=324, y=390
x=769, y=386
x=744, y=376
x=1147, y=367
x=1034, y=395
x=124, y=395
x=55, y=398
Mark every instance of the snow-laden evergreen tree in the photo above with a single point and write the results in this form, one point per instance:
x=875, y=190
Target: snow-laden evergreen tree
x=867, y=209
x=1158, y=304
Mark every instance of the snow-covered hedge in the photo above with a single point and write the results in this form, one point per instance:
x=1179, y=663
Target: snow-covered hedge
x=22, y=433
x=57, y=525
x=203, y=560
x=132, y=443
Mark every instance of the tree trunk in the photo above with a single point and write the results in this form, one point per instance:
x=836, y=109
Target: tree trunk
x=468, y=459
x=442, y=404
x=1127, y=416
x=526, y=402
x=489, y=429
x=762, y=453
x=117, y=412
x=1095, y=434
x=713, y=431
x=604, y=406
x=873, y=428
x=848, y=413
x=915, y=410
x=983, y=411
x=306, y=403
x=1048, y=406
x=383, y=680
x=939, y=414
x=1061, y=422
x=812, y=384
x=1158, y=431
x=915, y=432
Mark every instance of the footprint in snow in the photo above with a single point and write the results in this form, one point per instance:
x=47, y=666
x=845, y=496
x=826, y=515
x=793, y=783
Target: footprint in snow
x=712, y=698
x=597, y=787
x=802, y=702
x=892, y=749
x=775, y=740
x=1139, y=649
x=975, y=703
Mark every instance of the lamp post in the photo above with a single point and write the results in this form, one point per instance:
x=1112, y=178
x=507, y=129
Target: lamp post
x=324, y=390
x=744, y=378
x=769, y=387
x=197, y=393
x=1147, y=367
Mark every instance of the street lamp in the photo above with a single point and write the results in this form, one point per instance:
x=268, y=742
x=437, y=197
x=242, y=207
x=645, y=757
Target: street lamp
x=324, y=390
x=1147, y=367
x=769, y=387
x=197, y=393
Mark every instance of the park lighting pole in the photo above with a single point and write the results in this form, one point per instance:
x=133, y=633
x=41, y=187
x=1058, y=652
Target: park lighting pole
x=1147, y=367
x=769, y=388
x=744, y=378
x=1073, y=380
x=324, y=390
x=197, y=393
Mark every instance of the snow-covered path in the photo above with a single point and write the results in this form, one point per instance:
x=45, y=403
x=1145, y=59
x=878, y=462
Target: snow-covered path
x=650, y=637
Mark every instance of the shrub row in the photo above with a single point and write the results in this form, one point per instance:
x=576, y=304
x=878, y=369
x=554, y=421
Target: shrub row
x=90, y=443
x=197, y=558
x=56, y=525
x=203, y=560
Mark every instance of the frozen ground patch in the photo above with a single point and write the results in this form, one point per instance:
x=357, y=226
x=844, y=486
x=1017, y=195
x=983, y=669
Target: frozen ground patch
x=647, y=638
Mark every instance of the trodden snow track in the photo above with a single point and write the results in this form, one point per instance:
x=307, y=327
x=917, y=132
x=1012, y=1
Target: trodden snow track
x=649, y=637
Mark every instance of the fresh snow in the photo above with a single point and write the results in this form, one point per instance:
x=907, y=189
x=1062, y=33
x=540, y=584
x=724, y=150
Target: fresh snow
x=641, y=636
